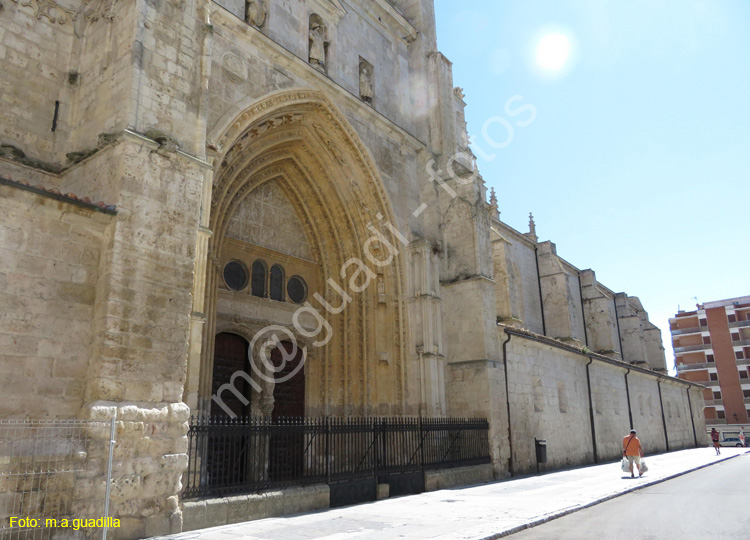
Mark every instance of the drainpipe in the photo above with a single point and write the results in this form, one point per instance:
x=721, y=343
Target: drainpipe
x=583, y=312
x=627, y=392
x=539, y=282
x=507, y=403
x=663, y=420
x=622, y=353
x=591, y=412
x=692, y=420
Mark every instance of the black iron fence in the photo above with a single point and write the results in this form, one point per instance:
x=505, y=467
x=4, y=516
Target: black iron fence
x=252, y=453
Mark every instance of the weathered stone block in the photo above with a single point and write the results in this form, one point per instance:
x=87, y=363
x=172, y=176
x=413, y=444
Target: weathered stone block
x=158, y=525
x=274, y=503
x=129, y=528
x=237, y=509
x=179, y=412
x=193, y=515
x=217, y=511
x=257, y=506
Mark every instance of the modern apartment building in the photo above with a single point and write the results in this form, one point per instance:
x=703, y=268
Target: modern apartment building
x=712, y=347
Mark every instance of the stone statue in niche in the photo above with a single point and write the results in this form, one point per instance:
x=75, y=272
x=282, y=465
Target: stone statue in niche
x=255, y=13
x=365, y=82
x=317, y=53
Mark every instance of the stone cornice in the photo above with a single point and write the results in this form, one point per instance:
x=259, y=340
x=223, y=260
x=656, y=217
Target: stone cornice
x=580, y=351
x=404, y=25
x=517, y=235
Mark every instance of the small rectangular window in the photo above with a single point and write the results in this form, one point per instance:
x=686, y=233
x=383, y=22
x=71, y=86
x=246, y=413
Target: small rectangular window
x=717, y=395
x=739, y=355
x=706, y=340
x=709, y=358
x=743, y=374
x=704, y=322
x=732, y=317
x=720, y=415
x=735, y=337
x=746, y=393
x=713, y=376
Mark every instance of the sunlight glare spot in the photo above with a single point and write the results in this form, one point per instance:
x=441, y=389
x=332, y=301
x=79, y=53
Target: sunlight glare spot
x=553, y=52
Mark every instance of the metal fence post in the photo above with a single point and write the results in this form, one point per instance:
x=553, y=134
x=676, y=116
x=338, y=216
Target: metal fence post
x=328, y=449
x=421, y=445
x=109, y=473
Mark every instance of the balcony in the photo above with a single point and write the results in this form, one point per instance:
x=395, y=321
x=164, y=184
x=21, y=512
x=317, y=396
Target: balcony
x=716, y=421
x=713, y=402
x=739, y=324
x=697, y=365
x=694, y=330
x=741, y=343
x=694, y=348
x=743, y=361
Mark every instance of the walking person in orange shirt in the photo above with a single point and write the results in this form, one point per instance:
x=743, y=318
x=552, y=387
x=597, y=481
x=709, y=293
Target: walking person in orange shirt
x=632, y=449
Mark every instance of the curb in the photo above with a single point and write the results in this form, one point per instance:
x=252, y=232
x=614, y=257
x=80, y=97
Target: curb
x=565, y=512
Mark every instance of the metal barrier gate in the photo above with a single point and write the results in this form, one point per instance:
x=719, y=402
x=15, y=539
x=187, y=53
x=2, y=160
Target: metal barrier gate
x=53, y=475
x=350, y=454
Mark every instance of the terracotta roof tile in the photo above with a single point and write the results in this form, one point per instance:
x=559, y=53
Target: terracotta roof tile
x=55, y=193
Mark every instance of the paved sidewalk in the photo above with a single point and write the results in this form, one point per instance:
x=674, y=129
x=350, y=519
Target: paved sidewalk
x=475, y=513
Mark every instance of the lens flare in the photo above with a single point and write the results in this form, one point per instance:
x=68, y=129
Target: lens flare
x=553, y=52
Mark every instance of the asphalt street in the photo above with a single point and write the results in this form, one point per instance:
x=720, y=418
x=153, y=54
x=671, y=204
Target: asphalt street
x=707, y=504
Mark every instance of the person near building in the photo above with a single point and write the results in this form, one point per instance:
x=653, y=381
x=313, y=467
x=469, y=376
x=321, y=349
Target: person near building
x=742, y=438
x=715, y=439
x=633, y=451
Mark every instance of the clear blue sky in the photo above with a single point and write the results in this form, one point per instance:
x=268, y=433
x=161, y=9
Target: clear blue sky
x=637, y=163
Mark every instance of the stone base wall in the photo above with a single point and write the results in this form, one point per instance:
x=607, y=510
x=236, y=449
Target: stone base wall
x=460, y=476
x=239, y=508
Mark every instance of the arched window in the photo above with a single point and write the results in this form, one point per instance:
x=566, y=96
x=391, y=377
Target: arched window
x=258, y=281
x=277, y=283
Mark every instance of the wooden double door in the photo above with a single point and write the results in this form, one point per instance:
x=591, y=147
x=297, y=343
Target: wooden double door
x=228, y=456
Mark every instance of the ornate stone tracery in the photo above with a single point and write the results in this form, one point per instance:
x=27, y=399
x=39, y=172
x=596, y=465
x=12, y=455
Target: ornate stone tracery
x=49, y=9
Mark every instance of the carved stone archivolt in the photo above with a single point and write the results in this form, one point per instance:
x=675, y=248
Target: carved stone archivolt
x=300, y=142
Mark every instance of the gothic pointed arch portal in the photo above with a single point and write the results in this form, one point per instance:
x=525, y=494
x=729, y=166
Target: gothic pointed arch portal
x=301, y=145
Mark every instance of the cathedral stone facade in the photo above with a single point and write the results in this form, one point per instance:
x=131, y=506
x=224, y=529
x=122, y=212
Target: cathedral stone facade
x=182, y=181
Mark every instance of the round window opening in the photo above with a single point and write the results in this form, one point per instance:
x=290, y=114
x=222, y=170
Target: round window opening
x=235, y=275
x=296, y=289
